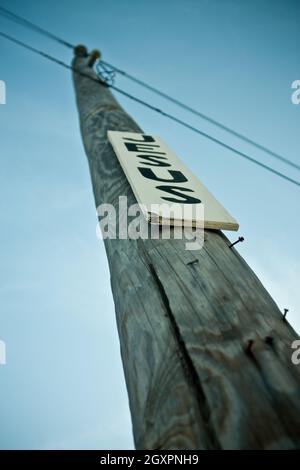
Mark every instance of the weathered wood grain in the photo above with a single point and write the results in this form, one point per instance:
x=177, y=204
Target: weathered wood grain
x=184, y=328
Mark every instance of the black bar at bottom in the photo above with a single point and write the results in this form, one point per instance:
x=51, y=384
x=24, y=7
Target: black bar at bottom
x=133, y=459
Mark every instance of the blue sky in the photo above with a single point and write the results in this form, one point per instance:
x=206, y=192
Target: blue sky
x=63, y=385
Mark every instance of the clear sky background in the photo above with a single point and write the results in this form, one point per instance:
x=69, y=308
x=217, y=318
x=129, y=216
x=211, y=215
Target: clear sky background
x=63, y=385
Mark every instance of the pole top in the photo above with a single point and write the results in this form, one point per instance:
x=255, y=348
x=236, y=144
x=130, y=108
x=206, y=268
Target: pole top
x=80, y=51
x=93, y=56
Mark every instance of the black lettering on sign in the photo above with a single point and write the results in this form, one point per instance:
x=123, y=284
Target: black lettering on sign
x=176, y=192
x=145, y=138
x=155, y=159
x=177, y=176
x=142, y=148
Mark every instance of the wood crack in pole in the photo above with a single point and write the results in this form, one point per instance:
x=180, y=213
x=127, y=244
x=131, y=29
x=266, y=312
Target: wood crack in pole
x=184, y=328
x=188, y=367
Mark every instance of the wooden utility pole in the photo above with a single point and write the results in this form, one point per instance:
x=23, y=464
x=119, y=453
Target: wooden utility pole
x=205, y=349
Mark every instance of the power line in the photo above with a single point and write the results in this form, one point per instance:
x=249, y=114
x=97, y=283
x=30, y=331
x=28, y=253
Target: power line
x=49, y=57
x=202, y=115
x=28, y=24
x=24, y=22
x=150, y=106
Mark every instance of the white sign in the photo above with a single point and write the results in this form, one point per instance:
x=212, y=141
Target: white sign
x=160, y=181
